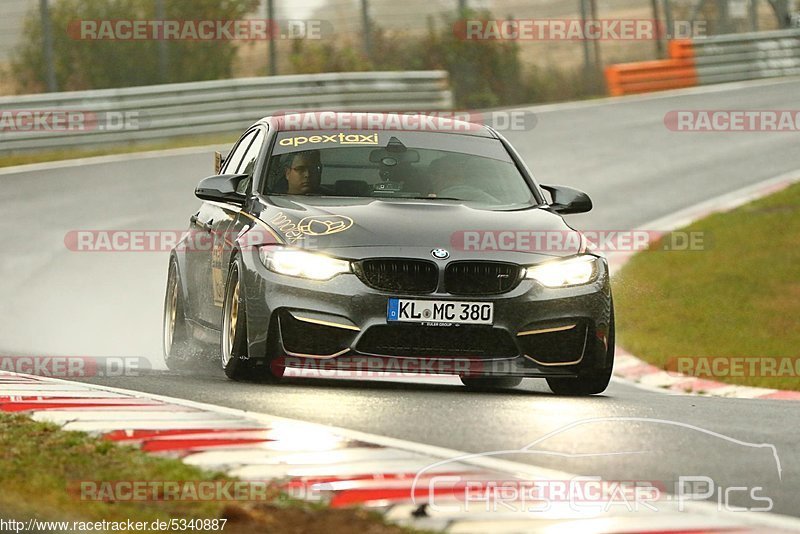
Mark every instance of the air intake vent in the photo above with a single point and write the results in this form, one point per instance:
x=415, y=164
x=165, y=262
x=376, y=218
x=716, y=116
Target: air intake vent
x=399, y=275
x=481, y=277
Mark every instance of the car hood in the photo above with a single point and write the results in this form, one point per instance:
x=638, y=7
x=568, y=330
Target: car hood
x=330, y=224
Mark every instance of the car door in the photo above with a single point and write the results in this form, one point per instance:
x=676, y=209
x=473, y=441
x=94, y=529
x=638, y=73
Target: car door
x=200, y=256
x=226, y=227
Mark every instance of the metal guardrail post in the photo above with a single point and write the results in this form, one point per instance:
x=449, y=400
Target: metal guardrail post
x=754, y=15
x=660, y=37
x=587, y=55
x=273, y=53
x=47, y=38
x=366, y=28
x=163, y=60
x=669, y=20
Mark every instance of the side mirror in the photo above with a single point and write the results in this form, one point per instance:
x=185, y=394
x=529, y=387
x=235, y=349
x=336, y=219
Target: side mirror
x=568, y=200
x=221, y=188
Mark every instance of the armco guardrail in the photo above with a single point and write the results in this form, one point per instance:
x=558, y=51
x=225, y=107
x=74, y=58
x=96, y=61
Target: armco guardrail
x=719, y=59
x=163, y=111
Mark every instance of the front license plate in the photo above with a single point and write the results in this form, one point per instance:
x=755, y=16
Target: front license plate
x=439, y=312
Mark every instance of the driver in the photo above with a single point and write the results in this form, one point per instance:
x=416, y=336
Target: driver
x=303, y=173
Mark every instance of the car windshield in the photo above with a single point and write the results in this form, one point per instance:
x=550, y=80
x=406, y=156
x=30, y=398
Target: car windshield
x=467, y=169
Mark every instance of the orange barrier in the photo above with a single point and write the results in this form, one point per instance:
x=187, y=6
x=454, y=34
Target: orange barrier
x=645, y=76
x=680, y=48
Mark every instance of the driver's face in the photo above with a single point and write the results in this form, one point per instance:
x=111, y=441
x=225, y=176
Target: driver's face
x=302, y=176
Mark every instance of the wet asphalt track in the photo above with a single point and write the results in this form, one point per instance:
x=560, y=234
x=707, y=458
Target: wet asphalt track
x=58, y=302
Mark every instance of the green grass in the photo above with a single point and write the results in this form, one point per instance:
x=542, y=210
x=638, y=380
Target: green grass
x=41, y=465
x=738, y=298
x=74, y=153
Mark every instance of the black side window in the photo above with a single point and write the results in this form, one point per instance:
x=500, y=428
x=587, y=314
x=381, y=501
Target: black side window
x=235, y=158
x=248, y=164
x=251, y=155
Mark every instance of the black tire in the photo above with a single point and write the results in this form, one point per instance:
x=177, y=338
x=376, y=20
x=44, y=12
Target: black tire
x=234, y=355
x=482, y=383
x=589, y=384
x=272, y=372
x=581, y=386
x=233, y=339
x=175, y=340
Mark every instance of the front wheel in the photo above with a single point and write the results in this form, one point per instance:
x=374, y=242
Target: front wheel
x=233, y=341
x=234, y=354
x=582, y=385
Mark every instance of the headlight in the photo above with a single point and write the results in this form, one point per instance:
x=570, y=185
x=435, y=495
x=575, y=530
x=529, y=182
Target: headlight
x=302, y=264
x=572, y=271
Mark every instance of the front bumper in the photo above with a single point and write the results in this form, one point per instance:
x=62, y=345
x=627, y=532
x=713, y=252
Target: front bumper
x=341, y=324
